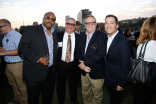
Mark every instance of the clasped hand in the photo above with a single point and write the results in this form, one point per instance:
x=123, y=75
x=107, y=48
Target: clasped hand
x=83, y=67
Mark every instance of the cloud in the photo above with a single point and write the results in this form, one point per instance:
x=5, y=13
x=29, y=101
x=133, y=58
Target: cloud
x=5, y=3
x=19, y=3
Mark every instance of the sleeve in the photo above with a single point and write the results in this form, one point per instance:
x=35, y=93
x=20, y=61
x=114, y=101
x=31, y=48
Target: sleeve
x=125, y=54
x=25, y=46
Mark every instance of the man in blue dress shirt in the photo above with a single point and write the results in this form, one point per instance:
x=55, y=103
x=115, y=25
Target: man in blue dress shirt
x=14, y=61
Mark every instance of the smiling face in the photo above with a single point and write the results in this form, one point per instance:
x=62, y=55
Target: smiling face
x=111, y=26
x=70, y=26
x=90, y=24
x=49, y=20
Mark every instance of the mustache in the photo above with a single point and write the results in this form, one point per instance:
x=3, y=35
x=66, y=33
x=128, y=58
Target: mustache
x=50, y=23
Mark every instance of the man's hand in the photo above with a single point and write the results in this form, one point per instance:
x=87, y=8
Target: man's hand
x=81, y=66
x=119, y=88
x=2, y=49
x=43, y=61
x=87, y=69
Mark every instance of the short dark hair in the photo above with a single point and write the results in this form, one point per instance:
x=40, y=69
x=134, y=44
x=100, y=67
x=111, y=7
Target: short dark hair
x=5, y=21
x=110, y=15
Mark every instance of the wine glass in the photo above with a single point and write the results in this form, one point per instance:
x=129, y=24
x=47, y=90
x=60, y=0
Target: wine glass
x=47, y=55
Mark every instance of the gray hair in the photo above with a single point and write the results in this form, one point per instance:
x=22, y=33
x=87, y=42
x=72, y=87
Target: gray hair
x=71, y=19
x=89, y=16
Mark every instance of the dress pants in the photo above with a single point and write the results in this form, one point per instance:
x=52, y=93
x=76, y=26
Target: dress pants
x=115, y=96
x=14, y=73
x=92, y=90
x=66, y=69
x=46, y=87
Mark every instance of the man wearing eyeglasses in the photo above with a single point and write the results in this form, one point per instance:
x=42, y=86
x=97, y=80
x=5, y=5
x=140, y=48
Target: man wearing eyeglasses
x=39, y=47
x=14, y=61
x=90, y=54
x=67, y=41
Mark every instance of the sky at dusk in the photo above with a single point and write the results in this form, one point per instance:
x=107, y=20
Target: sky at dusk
x=17, y=11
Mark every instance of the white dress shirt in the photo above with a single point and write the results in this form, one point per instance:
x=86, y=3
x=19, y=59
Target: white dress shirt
x=150, y=52
x=64, y=48
x=110, y=39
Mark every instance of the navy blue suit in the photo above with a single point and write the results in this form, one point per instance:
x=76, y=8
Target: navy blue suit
x=117, y=65
x=94, y=56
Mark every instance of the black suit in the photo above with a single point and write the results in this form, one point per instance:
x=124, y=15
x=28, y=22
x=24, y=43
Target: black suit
x=117, y=66
x=33, y=46
x=94, y=56
x=64, y=70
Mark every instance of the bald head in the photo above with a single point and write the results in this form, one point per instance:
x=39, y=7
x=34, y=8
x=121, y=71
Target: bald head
x=5, y=22
x=35, y=23
x=49, y=13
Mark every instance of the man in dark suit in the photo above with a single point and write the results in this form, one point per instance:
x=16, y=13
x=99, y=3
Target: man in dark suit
x=118, y=56
x=67, y=42
x=90, y=54
x=39, y=47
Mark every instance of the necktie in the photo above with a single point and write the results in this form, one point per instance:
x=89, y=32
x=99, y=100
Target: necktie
x=68, y=51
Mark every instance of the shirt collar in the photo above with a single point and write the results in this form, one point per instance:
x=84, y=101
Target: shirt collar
x=77, y=32
x=112, y=37
x=90, y=33
x=69, y=34
x=9, y=33
x=45, y=29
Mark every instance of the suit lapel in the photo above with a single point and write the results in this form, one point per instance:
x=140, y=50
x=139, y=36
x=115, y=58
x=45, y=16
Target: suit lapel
x=91, y=41
x=114, y=43
x=42, y=34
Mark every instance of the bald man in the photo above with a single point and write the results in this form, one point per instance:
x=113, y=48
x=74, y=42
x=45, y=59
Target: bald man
x=14, y=61
x=39, y=47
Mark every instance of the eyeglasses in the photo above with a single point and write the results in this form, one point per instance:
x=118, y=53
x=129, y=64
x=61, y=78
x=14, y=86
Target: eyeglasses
x=2, y=26
x=70, y=24
x=88, y=23
x=49, y=18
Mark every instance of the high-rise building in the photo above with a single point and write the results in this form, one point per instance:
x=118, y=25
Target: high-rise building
x=81, y=16
x=66, y=18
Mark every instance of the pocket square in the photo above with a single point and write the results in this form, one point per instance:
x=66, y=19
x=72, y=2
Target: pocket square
x=95, y=46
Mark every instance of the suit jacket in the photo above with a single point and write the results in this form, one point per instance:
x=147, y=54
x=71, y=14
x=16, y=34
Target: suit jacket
x=60, y=36
x=117, y=64
x=94, y=56
x=33, y=45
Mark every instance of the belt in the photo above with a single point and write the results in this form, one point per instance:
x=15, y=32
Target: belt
x=67, y=62
x=13, y=62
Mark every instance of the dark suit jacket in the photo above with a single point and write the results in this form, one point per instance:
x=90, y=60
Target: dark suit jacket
x=1, y=43
x=33, y=45
x=94, y=56
x=117, y=64
x=60, y=39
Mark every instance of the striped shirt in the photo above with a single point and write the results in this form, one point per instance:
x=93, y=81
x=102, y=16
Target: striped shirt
x=50, y=44
x=10, y=42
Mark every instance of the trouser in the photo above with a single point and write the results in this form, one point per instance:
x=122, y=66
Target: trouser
x=66, y=69
x=92, y=90
x=115, y=96
x=14, y=73
x=46, y=87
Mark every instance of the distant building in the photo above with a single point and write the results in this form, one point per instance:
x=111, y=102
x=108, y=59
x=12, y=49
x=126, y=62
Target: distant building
x=55, y=27
x=82, y=14
x=60, y=28
x=66, y=18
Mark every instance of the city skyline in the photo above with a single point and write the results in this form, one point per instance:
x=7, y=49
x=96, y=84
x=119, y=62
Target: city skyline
x=17, y=11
